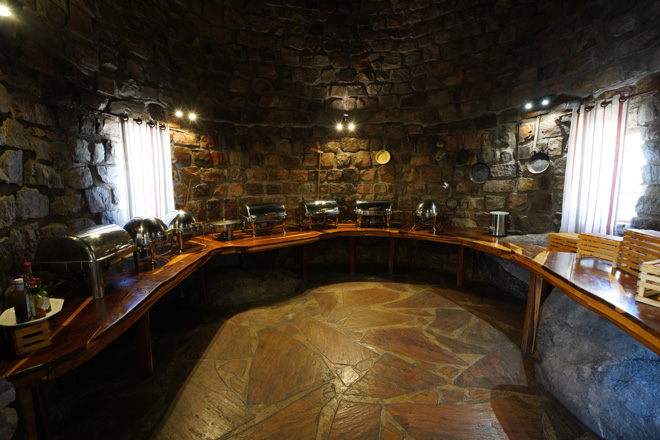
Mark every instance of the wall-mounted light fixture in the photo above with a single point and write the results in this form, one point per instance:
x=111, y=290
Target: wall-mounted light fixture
x=191, y=115
x=345, y=124
x=539, y=103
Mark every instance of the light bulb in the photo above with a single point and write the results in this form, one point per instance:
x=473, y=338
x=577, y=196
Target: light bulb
x=4, y=11
x=546, y=101
x=178, y=113
x=339, y=126
x=192, y=116
x=351, y=127
x=528, y=106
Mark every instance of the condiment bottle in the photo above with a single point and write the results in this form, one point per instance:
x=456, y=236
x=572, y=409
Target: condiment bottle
x=44, y=295
x=21, y=301
x=27, y=272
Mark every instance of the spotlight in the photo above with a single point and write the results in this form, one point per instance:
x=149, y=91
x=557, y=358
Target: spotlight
x=340, y=127
x=528, y=106
x=5, y=11
x=192, y=116
x=178, y=113
x=545, y=102
x=344, y=124
x=351, y=127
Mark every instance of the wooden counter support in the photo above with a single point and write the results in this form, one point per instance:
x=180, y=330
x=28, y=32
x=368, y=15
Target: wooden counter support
x=351, y=255
x=538, y=291
x=145, y=353
x=304, y=253
x=390, y=265
x=461, y=266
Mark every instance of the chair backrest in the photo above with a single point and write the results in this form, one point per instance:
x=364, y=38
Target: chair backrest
x=638, y=246
x=599, y=246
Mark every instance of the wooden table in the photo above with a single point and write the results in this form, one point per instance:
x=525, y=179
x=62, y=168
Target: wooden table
x=86, y=326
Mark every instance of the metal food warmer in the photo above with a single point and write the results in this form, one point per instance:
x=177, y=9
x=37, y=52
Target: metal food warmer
x=263, y=218
x=90, y=251
x=375, y=213
x=184, y=225
x=319, y=213
x=426, y=215
x=148, y=233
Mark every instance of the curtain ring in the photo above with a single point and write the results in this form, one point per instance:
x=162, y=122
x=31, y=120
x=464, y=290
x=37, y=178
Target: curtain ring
x=138, y=121
x=623, y=98
x=162, y=126
x=124, y=118
x=151, y=124
x=605, y=103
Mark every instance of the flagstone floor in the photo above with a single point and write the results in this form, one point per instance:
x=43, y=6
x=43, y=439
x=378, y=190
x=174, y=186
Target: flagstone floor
x=337, y=356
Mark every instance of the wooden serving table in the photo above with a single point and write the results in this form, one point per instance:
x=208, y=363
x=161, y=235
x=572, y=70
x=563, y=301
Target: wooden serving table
x=86, y=326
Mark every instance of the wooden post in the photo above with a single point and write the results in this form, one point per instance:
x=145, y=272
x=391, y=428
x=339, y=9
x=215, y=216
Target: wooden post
x=461, y=263
x=390, y=266
x=538, y=291
x=351, y=255
x=27, y=402
x=145, y=355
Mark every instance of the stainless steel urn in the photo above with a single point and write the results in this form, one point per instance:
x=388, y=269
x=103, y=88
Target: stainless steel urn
x=497, y=226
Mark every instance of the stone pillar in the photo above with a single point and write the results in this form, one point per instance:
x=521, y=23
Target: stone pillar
x=8, y=417
x=648, y=206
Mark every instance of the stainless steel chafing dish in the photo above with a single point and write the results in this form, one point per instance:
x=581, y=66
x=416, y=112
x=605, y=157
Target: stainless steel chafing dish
x=263, y=218
x=319, y=213
x=426, y=215
x=91, y=249
x=373, y=213
x=183, y=224
x=147, y=234
x=225, y=228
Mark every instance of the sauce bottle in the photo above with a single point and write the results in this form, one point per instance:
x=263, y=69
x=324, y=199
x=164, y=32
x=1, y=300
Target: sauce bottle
x=21, y=301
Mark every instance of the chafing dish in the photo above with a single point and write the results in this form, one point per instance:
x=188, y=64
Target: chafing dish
x=265, y=218
x=183, y=224
x=373, y=213
x=147, y=234
x=90, y=250
x=321, y=213
x=225, y=228
x=426, y=215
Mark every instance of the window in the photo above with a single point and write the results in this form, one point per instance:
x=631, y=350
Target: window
x=147, y=167
x=631, y=188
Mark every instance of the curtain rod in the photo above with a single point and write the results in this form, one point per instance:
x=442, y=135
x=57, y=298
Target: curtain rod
x=125, y=118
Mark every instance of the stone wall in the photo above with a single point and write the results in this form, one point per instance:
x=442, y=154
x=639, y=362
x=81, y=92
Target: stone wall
x=648, y=206
x=269, y=79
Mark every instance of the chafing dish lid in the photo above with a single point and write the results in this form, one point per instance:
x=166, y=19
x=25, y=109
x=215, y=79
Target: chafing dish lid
x=320, y=208
x=373, y=207
x=263, y=211
x=89, y=245
x=427, y=208
x=181, y=220
x=145, y=230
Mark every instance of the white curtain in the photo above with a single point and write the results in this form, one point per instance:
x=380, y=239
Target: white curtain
x=148, y=169
x=593, y=167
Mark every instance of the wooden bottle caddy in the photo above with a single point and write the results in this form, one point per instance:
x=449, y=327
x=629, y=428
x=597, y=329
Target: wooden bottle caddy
x=30, y=337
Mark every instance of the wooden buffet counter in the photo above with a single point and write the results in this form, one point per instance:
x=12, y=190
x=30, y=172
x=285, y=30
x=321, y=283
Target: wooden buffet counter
x=86, y=326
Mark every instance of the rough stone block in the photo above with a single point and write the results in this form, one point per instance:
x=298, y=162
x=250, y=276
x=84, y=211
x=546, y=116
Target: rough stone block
x=99, y=199
x=66, y=205
x=78, y=178
x=14, y=135
x=30, y=203
x=38, y=174
x=603, y=376
x=7, y=211
x=11, y=167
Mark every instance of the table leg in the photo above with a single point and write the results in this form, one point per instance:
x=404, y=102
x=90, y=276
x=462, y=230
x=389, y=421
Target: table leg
x=303, y=261
x=144, y=345
x=390, y=266
x=538, y=290
x=461, y=265
x=29, y=410
x=351, y=255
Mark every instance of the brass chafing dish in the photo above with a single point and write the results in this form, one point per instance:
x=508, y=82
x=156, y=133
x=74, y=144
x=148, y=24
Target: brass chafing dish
x=90, y=250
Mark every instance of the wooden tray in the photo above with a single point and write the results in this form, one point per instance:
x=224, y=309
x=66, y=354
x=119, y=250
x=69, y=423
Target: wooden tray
x=638, y=246
x=563, y=242
x=599, y=246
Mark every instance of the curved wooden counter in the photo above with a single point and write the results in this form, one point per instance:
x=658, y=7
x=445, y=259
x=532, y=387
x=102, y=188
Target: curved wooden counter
x=86, y=326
